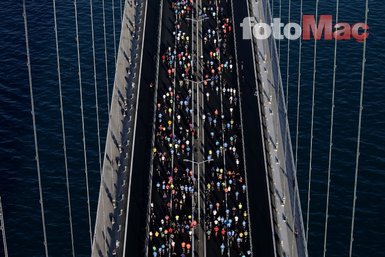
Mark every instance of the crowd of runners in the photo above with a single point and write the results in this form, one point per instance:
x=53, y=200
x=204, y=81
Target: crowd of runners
x=174, y=220
x=227, y=219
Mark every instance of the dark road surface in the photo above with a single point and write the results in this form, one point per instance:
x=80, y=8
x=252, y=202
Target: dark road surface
x=262, y=238
x=256, y=171
x=142, y=152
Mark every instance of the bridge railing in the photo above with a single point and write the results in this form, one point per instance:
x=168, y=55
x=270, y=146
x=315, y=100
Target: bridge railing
x=288, y=149
x=111, y=211
x=283, y=182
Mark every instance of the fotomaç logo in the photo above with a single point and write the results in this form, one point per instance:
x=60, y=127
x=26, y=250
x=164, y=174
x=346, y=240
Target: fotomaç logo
x=293, y=31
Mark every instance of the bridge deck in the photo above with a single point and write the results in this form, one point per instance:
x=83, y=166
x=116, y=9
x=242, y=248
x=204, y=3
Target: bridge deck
x=206, y=103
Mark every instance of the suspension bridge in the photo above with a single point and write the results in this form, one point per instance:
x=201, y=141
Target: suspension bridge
x=198, y=158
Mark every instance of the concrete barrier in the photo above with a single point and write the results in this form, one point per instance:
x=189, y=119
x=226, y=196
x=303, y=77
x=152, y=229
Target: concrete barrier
x=110, y=216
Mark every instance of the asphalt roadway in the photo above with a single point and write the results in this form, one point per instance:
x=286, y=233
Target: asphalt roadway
x=262, y=237
x=217, y=101
x=137, y=210
x=162, y=171
x=261, y=233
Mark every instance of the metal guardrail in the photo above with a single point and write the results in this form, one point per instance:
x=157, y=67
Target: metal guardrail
x=282, y=173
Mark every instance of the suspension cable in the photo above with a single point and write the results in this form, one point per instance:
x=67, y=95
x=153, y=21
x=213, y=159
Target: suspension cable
x=298, y=89
x=281, y=97
x=312, y=127
x=120, y=11
x=63, y=129
x=96, y=102
x=2, y=228
x=288, y=64
x=279, y=40
x=297, y=129
x=82, y=117
x=359, y=134
x=35, y=130
x=287, y=136
x=113, y=28
x=331, y=137
x=95, y=83
x=106, y=55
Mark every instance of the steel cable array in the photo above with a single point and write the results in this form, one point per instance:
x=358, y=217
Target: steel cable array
x=35, y=130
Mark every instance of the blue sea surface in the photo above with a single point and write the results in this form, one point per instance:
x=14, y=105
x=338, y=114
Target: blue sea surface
x=18, y=177
x=369, y=235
